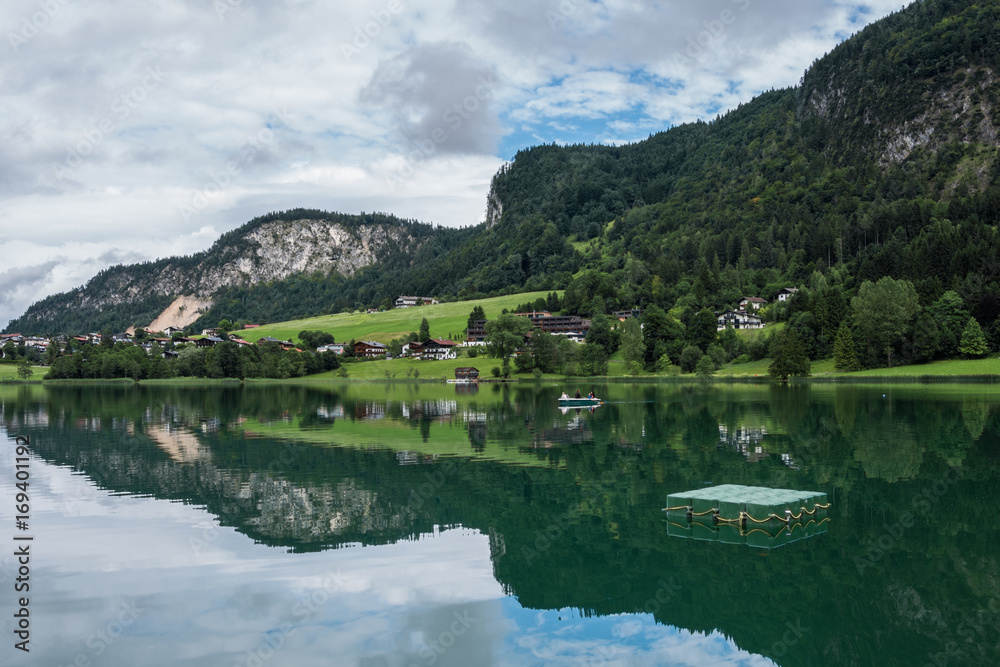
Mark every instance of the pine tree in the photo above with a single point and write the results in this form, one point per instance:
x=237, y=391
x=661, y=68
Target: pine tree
x=790, y=357
x=845, y=359
x=973, y=341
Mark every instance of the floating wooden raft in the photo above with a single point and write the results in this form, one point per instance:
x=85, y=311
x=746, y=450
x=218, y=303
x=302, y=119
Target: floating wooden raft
x=745, y=505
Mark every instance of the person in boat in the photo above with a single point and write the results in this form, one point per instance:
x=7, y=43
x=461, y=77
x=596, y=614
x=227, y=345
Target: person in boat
x=563, y=397
x=591, y=394
x=577, y=393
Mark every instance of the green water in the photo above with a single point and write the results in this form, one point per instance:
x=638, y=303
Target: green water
x=385, y=525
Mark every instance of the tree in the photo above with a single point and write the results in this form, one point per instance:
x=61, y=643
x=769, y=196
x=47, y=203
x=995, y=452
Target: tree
x=790, y=358
x=973, y=341
x=633, y=347
x=477, y=314
x=593, y=360
x=705, y=367
x=882, y=313
x=845, y=359
x=703, y=330
x=544, y=350
x=504, y=336
x=951, y=317
x=425, y=330
x=690, y=358
x=24, y=367
x=600, y=332
x=731, y=342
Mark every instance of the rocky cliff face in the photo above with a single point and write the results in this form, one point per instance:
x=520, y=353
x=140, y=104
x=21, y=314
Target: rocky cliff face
x=264, y=252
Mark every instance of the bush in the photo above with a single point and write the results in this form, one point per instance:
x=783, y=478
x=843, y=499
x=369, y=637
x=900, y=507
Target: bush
x=742, y=359
x=473, y=352
x=495, y=371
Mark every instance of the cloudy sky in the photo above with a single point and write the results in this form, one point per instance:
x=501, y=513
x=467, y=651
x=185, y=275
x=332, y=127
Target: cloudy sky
x=131, y=131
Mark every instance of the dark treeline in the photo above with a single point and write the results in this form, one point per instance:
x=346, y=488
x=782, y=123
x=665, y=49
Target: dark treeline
x=225, y=360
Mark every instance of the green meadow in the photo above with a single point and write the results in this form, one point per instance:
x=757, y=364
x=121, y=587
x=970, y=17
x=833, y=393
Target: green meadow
x=446, y=320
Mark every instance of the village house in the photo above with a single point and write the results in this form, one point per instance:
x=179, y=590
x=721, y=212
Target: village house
x=751, y=303
x=336, y=348
x=369, y=349
x=476, y=334
x=467, y=373
x=786, y=293
x=411, y=301
x=208, y=341
x=622, y=315
x=170, y=331
x=439, y=349
x=739, y=319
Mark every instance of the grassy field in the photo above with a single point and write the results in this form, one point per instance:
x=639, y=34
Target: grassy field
x=951, y=367
x=8, y=372
x=446, y=320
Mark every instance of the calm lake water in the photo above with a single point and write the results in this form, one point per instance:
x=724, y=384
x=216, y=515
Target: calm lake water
x=399, y=525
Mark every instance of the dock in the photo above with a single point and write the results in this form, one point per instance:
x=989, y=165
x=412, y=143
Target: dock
x=754, y=515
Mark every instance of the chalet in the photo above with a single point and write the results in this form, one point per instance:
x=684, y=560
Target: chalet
x=95, y=338
x=11, y=338
x=371, y=311
x=411, y=301
x=369, y=349
x=476, y=334
x=209, y=332
x=180, y=340
x=208, y=341
x=439, y=349
x=786, y=293
x=240, y=342
x=336, y=348
x=467, y=373
x=413, y=349
x=748, y=303
x=739, y=319
x=622, y=315
x=170, y=331
x=269, y=339
x=571, y=326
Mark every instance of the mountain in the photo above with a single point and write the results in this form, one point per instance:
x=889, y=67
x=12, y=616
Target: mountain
x=882, y=162
x=266, y=250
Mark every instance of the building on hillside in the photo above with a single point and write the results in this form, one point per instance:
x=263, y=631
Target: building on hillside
x=739, y=319
x=571, y=326
x=786, y=293
x=369, y=349
x=439, y=349
x=170, y=331
x=240, y=342
x=467, y=373
x=208, y=341
x=336, y=348
x=476, y=334
x=622, y=315
x=748, y=303
x=411, y=301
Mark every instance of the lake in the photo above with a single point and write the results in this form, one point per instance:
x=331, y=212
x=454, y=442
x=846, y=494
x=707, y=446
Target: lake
x=431, y=524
